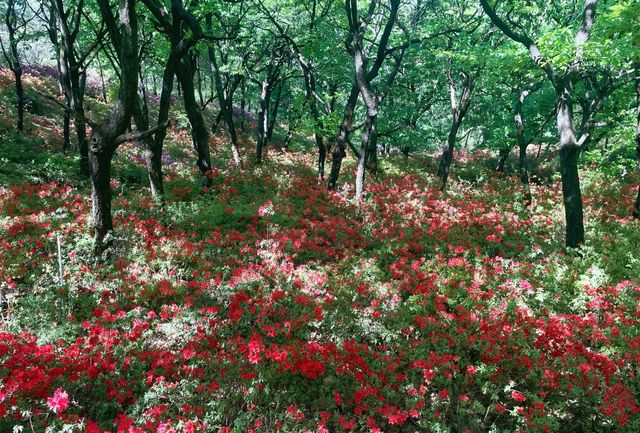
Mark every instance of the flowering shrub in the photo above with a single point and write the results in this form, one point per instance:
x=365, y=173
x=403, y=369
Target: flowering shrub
x=274, y=305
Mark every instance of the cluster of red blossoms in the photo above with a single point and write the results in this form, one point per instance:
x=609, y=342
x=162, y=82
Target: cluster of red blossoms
x=296, y=313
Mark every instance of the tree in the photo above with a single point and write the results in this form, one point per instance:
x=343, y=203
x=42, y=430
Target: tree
x=16, y=21
x=183, y=31
x=564, y=83
x=226, y=83
x=73, y=69
x=459, y=108
x=108, y=135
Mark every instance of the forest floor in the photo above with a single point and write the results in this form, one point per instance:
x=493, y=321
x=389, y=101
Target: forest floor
x=271, y=304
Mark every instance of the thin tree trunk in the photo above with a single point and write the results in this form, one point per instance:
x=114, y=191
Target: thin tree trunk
x=103, y=86
x=263, y=119
x=66, y=128
x=368, y=134
x=502, y=159
x=569, y=152
x=243, y=96
x=154, y=168
x=522, y=148
x=199, y=75
x=17, y=72
x=458, y=111
x=636, y=212
x=185, y=73
x=338, y=151
x=226, y=101
x=273, y=113
x=153, y=154
x=74, y=81
x=447, y=154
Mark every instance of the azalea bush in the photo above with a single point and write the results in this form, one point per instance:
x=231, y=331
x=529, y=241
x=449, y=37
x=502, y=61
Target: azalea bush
x=274, y=305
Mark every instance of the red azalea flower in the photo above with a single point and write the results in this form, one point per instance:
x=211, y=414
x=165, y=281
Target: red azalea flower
x=59, y=402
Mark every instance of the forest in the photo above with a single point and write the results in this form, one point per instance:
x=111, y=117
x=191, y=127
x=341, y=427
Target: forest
x=319, y=216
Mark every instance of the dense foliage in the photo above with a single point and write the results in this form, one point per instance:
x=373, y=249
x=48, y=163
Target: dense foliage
x=176, y=257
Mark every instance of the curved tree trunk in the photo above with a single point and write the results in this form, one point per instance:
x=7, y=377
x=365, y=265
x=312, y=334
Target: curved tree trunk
x=153, y=154
x=225, y=99
x=185, y=73
x=106, y=137
x=338, y=151
x=73, y=79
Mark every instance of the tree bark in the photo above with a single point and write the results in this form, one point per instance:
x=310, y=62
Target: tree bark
x=569, y=152
x=72, y=78
x=185, y=73
x=199, y=75
x=502, y=159
x=243, y=100
x=105, y=137
x=273, y=113
x=225, y=99
x=263, y=118
x=458, y=110
x=14, y=22
x=522, y=148
x=153, y=154
x=17, y=73
x=338, y=151
x=357, y=26
x=636, y=211
x=569, y=145
x=100, y=163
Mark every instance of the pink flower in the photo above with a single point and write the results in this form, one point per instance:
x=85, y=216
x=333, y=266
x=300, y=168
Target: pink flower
x=518, y=396
x=266, y=209
x=59, y=402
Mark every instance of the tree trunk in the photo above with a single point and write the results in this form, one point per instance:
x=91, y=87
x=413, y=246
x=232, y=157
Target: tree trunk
x=447, y=154
x=74, y=82
x=405, y=154
x=273, y=113
x=17, y=72
x=338, y=151
x=569, y=153
x=263, y=119
x=636, y=212
x=152, y=159
x=153, y=154
x=199, y=75
x=243, y=100
x=100, y=163
x=502, y=159
x=185, y=73
x=322, y=152
x=80, y=126
x=458, y=111
x=226, y=100
x=103, y=86
x=66, y=128
x=106, y=137
x=368, y=134
x=522, y=145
